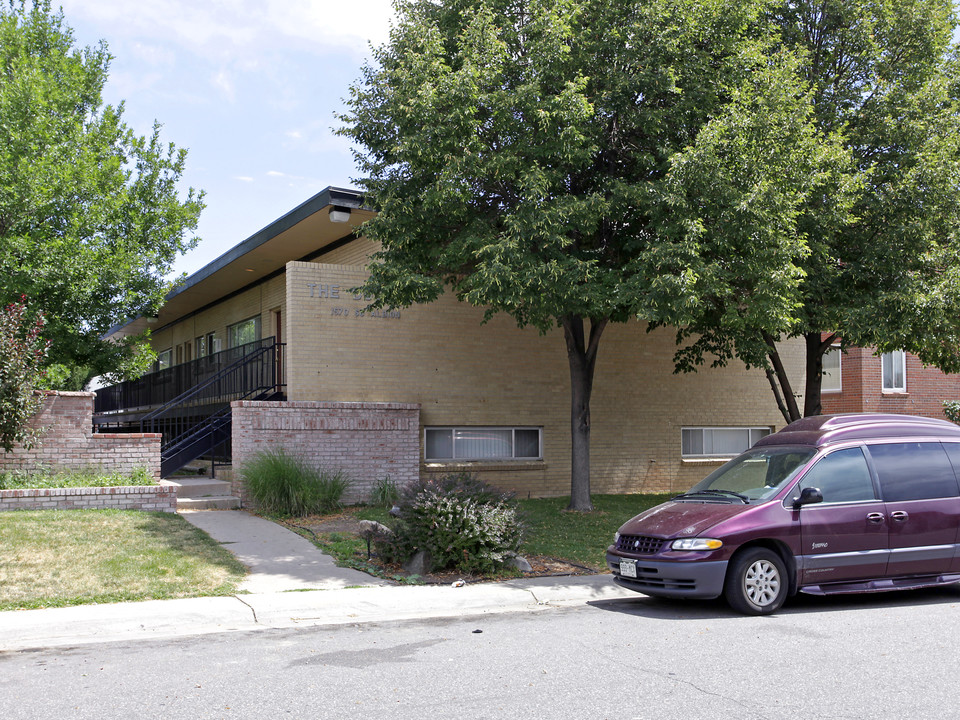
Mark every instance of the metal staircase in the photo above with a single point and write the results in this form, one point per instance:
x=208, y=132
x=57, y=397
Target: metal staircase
x=198, y=421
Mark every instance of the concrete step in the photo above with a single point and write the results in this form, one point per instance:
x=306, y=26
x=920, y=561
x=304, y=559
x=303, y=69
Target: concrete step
x=203, y=493
x=214, y=502
x=198, y=487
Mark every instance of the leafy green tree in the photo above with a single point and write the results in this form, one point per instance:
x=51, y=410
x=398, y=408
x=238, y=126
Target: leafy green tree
x=22, y=351
x=90, y=217
x=577, y=163
x=883, y=267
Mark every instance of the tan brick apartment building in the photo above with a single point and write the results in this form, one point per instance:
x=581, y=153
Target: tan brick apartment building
x=492, y=399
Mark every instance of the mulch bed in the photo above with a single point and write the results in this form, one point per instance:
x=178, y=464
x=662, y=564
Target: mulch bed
x=347, y=523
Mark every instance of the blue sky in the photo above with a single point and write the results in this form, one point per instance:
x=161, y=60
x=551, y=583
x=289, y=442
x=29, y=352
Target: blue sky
x=249, y=87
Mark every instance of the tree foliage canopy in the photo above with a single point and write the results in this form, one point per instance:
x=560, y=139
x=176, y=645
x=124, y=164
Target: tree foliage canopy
x=566, y=161
x=90, y=216
x=882, y=268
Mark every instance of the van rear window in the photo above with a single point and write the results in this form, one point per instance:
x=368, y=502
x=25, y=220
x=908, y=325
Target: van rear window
x=914, y=471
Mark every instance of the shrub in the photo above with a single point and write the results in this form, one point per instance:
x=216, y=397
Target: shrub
x=951, y=409
x=22, y=352
x=385, y=493
x=462, y=523
x=86, y=477
x=287, y=485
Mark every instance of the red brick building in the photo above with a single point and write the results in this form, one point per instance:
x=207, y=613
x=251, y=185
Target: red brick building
x=860, y=381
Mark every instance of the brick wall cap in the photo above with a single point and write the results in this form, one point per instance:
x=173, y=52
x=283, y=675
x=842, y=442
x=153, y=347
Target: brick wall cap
x=320, y=405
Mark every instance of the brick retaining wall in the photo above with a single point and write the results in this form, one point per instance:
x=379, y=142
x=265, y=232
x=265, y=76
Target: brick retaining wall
x=367, y=441
x=69, y=442
x=155, y=498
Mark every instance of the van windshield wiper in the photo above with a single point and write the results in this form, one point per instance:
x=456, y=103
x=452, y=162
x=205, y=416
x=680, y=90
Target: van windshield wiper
x=723, y=493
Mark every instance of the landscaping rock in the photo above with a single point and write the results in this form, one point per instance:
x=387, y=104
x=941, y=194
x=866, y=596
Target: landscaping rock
x=520, y=563
x=372, y=529
x=419, y=564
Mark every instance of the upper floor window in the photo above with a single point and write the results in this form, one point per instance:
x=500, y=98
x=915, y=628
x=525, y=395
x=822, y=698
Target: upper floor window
x=718, y=441
x=207, y=345
x=164, y=359
x=243, y=332
x=894, y=369
x=830, y=378
x=486, y=443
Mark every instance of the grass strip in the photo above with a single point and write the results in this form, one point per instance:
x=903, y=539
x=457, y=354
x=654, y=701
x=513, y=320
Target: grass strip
x=57, y=558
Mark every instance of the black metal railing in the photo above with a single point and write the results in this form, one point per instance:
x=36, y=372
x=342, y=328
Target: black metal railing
x=198, y=421
x=161, y=387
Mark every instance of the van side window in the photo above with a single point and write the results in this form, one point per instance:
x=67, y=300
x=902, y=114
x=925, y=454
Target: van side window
x=914, y=471
x=842, y=476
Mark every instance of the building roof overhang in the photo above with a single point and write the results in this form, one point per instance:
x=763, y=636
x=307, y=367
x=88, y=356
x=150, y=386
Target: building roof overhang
x=300, y=233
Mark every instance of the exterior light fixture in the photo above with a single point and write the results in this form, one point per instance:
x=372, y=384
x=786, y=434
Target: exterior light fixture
x=339, y=214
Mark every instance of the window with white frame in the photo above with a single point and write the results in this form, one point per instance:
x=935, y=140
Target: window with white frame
x=243, y=332
x=483, y=443
x=718, y=441
x=893, y=367
x=831, y=377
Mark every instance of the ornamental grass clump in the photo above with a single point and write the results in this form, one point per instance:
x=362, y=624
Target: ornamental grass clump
x=461, y=523
x=286, y=485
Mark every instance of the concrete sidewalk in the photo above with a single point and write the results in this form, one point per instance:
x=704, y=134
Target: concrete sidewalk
x=161, y=619
x=281, y=564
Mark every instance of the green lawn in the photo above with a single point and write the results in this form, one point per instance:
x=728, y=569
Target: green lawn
x=551, y=530
x=53, y=558
x=581, y=538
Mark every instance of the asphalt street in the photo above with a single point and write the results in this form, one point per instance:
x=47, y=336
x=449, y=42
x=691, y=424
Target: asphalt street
x=879, y=656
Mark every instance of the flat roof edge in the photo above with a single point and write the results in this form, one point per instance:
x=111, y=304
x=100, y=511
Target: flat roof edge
x=325, y=198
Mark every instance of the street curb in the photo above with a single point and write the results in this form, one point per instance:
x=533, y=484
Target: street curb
x=163, y=619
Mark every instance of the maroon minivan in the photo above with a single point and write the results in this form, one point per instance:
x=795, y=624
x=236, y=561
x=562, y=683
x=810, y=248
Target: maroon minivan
x=829, y=504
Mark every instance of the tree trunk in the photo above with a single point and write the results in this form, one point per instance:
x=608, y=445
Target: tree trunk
x=816, y=346
x=778, y=376
x=582, y=356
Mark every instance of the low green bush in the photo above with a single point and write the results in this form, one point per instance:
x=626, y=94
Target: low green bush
x=459, y=521
x=87, y=477
x=286, y=485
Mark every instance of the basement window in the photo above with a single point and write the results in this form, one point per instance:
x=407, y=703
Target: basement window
x=483, y=443
x=700, y=442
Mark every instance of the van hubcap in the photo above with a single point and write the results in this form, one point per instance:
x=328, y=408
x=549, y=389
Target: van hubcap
x=762, y=583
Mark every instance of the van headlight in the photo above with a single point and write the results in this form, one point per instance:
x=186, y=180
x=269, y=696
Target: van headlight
x=616, y=537
x=696, y=544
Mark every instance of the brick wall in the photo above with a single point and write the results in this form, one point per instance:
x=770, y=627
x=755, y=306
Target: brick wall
x=69, y=442
x=861, y=387
x=367, y=441
x=463, y=372
x=155, y=498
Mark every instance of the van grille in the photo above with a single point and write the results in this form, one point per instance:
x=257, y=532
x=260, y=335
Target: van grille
x=639, y=544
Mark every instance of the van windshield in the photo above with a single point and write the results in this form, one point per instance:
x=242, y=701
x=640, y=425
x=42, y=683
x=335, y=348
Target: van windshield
x=753, y=477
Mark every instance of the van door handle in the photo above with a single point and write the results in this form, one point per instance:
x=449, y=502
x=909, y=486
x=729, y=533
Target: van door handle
x=899, y=516
x=875, y=517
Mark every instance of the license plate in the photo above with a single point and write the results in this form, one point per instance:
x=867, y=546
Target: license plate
x=628, y=568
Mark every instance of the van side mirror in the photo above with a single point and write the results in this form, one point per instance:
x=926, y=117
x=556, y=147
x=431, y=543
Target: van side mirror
x=808, y=496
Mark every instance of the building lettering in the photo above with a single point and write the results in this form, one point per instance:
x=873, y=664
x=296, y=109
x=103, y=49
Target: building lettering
x=323, y=291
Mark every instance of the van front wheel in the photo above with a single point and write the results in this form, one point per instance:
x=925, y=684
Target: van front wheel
x=756, y=582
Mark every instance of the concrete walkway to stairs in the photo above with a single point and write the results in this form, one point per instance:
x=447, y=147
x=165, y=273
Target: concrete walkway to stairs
x=279, y=560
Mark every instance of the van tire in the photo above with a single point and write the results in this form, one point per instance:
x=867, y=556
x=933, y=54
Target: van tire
x=757, y=582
